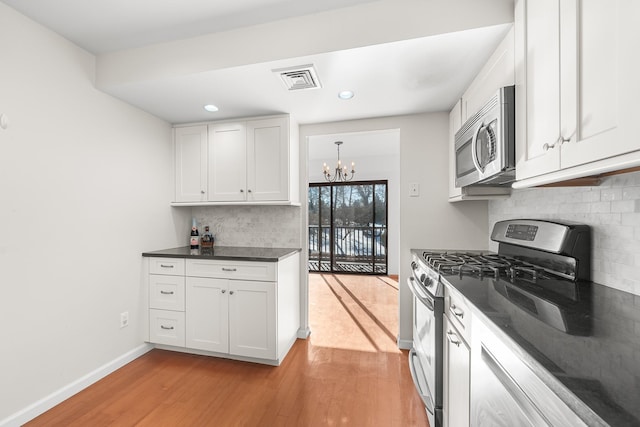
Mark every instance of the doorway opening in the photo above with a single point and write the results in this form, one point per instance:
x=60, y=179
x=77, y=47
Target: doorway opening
x=348, y=230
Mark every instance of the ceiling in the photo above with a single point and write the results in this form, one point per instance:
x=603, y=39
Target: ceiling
x=391, y=68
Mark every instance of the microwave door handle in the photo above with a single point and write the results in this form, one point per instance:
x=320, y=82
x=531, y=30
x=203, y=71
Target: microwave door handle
x=474, y=148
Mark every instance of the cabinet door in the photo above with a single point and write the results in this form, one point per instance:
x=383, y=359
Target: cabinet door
x=268, y=159
x=537, y=51
x=456, y=383
x=496, y=73
x=601, y=37
x=207, y=315
x=190, y=145
x=252, y=319
x=227, y=162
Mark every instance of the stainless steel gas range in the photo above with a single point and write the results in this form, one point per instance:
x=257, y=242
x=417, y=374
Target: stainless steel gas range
x=542, y=267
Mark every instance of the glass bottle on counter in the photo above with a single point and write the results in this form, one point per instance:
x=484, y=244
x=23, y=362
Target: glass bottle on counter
x=194, y=240
x=207, y=238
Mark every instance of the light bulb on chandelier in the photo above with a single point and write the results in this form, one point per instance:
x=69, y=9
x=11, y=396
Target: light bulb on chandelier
x=341, y=173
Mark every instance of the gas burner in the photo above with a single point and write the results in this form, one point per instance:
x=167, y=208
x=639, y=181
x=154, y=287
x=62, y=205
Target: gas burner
x=481, y=265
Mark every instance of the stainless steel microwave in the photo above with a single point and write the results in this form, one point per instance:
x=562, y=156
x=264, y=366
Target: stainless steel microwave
x=485, y=144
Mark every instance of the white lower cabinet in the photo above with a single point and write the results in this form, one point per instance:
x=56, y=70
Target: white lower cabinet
x=456, y=359
x=252, y=319
x=207, y=314
x=243, y=309
x=166, y=327
x=457, y=385
x=231, y=316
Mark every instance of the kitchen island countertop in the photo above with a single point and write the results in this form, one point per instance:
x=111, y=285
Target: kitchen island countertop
x=229, y=253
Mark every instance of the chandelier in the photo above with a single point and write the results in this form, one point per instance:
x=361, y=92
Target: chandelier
x=340, y=174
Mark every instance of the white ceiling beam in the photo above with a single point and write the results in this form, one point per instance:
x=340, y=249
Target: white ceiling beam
x=368, y=24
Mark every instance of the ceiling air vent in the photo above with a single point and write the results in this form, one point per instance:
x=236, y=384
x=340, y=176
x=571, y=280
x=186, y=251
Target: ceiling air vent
x=299, y=78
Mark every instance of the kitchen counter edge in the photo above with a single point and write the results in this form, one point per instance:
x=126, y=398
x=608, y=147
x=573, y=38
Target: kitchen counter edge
x=227, y=253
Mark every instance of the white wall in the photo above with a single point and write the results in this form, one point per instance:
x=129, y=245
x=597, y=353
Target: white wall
x=611, y=209
x=85, y=186
x=428, y=221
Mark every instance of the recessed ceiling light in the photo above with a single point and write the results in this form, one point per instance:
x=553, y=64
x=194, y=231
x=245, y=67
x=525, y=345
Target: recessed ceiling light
x=345, y=94
x=211, y=108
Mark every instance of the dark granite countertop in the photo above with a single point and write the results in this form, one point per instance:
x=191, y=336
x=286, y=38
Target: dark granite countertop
x=233, y=253
x=598, y=373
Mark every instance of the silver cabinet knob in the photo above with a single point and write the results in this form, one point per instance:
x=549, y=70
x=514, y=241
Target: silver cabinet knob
x=230, y=292
x=202, y=191
x=241, y=190
x=224, y=291
x=249, y=190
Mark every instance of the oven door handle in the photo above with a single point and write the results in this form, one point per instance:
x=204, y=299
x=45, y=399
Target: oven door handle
x=414, y=366
x=422, y=297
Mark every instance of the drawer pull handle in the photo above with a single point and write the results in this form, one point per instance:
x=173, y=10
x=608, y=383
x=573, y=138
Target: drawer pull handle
x=168, y=328
x=230, y=292
x=166, y=266
x=459, y=313
x=229, y=269
x=224, y=291
x=453, y=338
x=166, y=292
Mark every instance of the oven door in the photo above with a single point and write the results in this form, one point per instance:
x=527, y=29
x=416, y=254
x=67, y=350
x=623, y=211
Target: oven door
x=427, y=350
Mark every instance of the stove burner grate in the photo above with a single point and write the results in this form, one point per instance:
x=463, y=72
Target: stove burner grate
x=483, y=265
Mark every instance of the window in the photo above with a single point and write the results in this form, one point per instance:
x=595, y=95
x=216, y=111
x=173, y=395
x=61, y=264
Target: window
x=348, y=227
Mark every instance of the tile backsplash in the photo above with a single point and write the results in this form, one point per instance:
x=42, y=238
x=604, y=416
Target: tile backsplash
x=254, y=226
x=612, y=209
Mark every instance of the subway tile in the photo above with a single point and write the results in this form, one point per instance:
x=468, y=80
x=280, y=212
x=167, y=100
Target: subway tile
x=624, y=206
x=612, y=209
x=611, y=194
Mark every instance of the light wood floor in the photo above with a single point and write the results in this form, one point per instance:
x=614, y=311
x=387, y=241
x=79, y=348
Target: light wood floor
x=349, y=373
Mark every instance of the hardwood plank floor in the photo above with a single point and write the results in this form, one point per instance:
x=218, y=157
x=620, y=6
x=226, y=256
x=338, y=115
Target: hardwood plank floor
x=348, y=373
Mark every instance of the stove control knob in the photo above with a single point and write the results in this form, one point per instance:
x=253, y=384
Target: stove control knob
x=423, y=278
x=414, y=265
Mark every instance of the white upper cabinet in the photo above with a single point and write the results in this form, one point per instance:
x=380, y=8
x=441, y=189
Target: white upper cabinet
x=575, y=73
x=455, y=122
x=190, y=163
x=498, y=72
x=537, y=87
x=268, y=159
x=227, y=162
x=240, y=162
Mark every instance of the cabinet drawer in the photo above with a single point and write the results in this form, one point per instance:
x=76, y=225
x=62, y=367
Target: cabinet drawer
x=166, y=327
x=242, y=270
x=166, y=292
x=170, y=266
x=457, y=311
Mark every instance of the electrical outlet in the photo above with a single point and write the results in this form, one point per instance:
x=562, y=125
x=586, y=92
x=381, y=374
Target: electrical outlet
x=124, y=319
x=414, y=189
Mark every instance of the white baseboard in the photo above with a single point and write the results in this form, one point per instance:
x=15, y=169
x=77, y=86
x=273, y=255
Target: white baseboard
x=48, y=402
x=303, y=334
x=405, y=344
